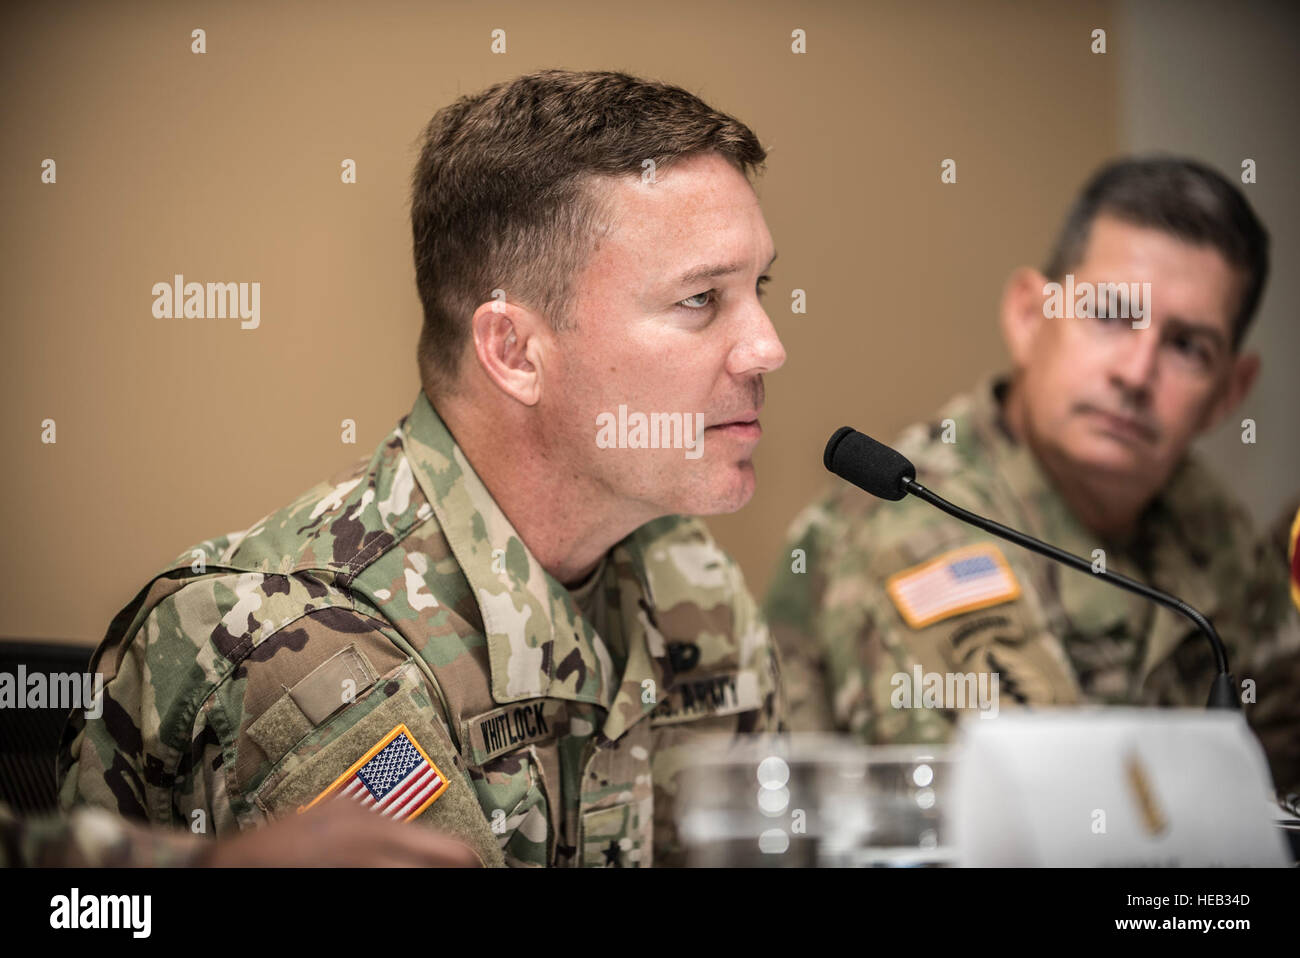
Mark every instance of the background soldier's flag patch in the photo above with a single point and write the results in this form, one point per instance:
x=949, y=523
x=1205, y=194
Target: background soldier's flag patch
x=395, y=778
x=973, y=577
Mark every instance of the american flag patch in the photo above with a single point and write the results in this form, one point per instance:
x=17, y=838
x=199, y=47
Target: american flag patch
x=973, y=577
x=394, y=778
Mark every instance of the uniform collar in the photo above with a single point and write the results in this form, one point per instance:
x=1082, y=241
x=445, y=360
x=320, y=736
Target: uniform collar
x=539, y=643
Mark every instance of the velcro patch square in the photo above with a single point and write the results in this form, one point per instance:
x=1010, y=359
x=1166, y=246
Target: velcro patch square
x=394, y=778
x=962, y=580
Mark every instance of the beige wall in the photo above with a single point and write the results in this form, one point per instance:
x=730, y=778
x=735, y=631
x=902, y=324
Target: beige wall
x=225, y=167
x=1218, y=81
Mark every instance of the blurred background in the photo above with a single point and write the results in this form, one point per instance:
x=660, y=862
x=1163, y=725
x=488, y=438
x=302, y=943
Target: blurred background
x=225, y=167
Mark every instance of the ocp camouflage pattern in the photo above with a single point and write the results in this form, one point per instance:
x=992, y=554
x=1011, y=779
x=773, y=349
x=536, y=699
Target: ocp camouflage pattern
x=253, y=671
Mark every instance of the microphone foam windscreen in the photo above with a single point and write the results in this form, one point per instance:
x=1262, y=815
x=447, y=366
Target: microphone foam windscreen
x=867, y=464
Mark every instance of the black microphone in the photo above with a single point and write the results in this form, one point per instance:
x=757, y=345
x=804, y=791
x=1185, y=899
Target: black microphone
x=884, y=472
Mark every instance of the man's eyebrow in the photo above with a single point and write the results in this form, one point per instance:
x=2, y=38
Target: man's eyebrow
x=1180, y=325
x=701, y=273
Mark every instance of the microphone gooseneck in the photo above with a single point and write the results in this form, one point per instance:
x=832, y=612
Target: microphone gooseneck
x=884, y=472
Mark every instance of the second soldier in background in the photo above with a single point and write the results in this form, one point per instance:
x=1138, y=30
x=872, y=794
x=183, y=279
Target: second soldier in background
x=1084, y=444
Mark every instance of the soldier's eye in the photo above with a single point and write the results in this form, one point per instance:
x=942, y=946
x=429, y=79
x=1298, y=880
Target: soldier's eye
x=1191, y=347
x=708, y=293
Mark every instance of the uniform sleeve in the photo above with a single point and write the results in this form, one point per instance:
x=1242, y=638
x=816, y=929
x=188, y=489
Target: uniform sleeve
x=240, y=701
x=791, y=606
x=103, y=754
x=1263, y=640
x=850, y=658
x=151, y=749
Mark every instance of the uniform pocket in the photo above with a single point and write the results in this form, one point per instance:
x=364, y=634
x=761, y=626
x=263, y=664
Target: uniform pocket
x=611, y=837
x=512, y=791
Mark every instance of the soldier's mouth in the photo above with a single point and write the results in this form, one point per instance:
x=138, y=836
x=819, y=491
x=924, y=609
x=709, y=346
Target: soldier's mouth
x=745, y=429
x=1122, y=427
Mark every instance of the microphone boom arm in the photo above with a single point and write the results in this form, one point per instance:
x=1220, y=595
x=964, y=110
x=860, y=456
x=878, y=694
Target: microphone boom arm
x=1222, y=693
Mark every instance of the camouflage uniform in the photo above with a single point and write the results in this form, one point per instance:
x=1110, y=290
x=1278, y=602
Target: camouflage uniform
x=91, y=838
x=1058, y=637
x=260, y=668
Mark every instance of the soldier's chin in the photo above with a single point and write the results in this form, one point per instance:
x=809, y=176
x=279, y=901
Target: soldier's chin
x=1104, y=452
x=728, y=491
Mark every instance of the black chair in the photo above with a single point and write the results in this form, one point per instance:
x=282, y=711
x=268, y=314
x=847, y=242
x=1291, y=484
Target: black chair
x=29, y=738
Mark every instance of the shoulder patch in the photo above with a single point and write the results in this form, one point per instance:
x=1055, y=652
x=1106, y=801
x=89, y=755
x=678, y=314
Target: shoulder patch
x=395, y=778
x=961, y=580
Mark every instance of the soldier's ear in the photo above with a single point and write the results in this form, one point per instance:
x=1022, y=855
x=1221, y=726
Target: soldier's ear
x=1022, y=312
x=1241, y=377
x=508, y=345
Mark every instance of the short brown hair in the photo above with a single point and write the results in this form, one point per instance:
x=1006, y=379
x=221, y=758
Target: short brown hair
x=1180, y=197
x=505, y=193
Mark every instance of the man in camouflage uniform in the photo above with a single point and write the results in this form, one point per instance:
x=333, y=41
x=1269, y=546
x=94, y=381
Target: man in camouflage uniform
x=1085, y=447
x=492, y=605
